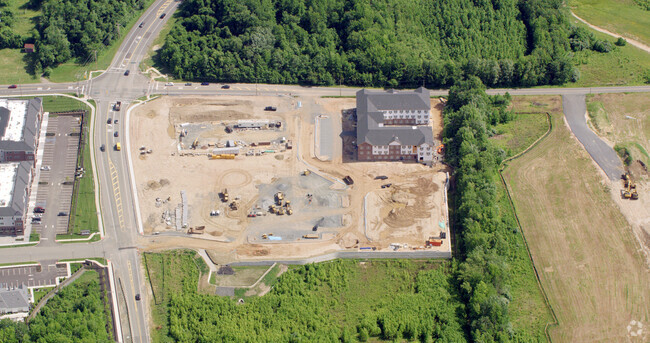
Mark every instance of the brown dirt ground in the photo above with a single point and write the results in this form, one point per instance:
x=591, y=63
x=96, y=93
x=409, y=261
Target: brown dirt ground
x=584, y=249
x=203, y=179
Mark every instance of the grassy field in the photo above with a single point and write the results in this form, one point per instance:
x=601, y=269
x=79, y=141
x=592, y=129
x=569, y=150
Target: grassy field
x=581, y=244
x=624, y=65
x=244, y=276
x=12, y=61
x=623, y=119
x=623, y=17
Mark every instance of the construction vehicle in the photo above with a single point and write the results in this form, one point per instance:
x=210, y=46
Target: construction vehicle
x=196, y=231
x=279, y=196
x=433, y=242
x=118, y=146
x=224, y=195
x=195, y=143
x=280, y=211
x=287, y=203
x=311, y=236
x=272, y=209
x=289, y=211
x=306, y=172
x=222, y=156
x=265, y=236
x=348, y=180
x=233, y=206
x=117, y=106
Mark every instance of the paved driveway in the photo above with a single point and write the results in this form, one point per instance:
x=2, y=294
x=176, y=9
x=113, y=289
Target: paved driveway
x=575, y=110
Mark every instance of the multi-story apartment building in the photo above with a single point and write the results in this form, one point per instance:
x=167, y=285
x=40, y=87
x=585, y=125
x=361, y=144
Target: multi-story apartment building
x=394, y=126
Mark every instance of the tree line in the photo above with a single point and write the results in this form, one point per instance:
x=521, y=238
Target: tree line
x=75, y=314
x=8, y=38
x=391, y=43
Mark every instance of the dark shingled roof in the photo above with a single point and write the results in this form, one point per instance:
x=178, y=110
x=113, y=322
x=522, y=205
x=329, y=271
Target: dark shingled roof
x=369, y=117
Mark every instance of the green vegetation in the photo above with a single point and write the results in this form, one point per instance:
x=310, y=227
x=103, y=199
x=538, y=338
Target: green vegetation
x=519, y=133
x=74, y=267
x=17, y=21
x=17, y=264
x=495, y=273
x=75, y=314
x=340, y=300
x=34, y=237
x=626, y=17
x=403, y=43
x=623, y=65
x=98, y=259
x=244, y=276
x=39, y=293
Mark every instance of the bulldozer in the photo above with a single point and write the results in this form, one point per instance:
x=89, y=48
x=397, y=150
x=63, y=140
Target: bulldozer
x=306, y=172
x=224, y=195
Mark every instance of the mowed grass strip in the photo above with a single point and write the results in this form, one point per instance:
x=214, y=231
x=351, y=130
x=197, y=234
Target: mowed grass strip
x=623, y=17
x=582, y=246
x=13, y=61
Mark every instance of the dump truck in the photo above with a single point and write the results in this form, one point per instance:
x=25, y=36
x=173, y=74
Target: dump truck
x=118, y=146
x=222, y=156
x=433, y=242
x=310, y=236
x=117, y=106
x=279, y=196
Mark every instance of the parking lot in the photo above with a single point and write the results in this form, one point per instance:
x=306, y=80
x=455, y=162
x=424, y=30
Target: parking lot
x=57, y=175
x=32, y=276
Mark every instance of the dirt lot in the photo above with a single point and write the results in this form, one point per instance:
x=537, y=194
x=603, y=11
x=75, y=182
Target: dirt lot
x=409, y=211
x=584, y=249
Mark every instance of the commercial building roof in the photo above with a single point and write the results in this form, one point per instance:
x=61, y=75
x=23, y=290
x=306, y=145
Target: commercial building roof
x=14, y=300
x=19, y=124
x=14, y=182
x=370, y=119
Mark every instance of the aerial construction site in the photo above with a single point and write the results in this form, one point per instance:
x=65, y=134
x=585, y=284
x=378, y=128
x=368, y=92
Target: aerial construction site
x=277, y=177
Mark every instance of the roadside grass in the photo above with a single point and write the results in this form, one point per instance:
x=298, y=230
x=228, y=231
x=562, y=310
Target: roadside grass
x=98, y=259
x=623, y=17
x=17, y=264
x=624, y=65
x=623, y=119
x=12, y=61
x=74, y=267
x=172, y=272
x=582, y=246
x=39, y=293
x=151, y=59
x=35, y=237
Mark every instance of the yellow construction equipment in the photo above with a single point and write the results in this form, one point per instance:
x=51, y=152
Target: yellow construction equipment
x=280, y=211
x=233, y=206
x=289, y=211
x=195, y=143
x=224, y=195
x=310, y=236
x=279, y=196
x=306, y=172
x=265, y=236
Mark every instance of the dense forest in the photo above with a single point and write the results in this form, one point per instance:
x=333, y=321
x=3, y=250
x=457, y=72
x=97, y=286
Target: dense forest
x=394, y=43
x=75, y=314
x=337, y=301
x=488, y=238
x=76, y=29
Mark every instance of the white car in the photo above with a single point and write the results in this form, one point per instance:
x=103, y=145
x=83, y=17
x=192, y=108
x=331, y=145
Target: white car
x=45, y=168
x=169, y=84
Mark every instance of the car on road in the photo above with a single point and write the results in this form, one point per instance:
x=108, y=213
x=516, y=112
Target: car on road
x=62, y=214
x=169, y=84
x=141, y=25
x=188, y=84
x=381, y=177
x=163, y=15
x=103, y=147
x=205, y=83
x=36, y=220
x=116, y=134
x=127, y=72
x=39, y=209
x=225, y=87
x=45, y=168
x=115, y=121
x=13, y=86
x=137, y=297
x=109, y=120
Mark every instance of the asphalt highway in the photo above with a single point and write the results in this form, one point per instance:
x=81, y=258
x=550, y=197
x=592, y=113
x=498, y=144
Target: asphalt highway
x=112, y=167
